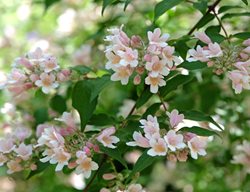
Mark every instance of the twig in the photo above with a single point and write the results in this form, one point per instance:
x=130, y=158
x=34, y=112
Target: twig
x=211, y=8
x=162, y=102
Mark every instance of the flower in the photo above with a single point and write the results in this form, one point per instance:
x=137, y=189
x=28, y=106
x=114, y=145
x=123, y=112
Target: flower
x=196, y=146
x=14, y=166
x=135, y=188
x=214, y=50
x=7, y=145
x=122, y=74
x=128, y=57
x=24, y=151
x=60, y=157
x=47, y=82
x=198, y=55
x=151, y=127
x=107, y=139
x=155, y=82
x=240, y=80
x=49, y=64
x=155, y=38
x=157, y=67
x=139, y=140
x=159, y=147
x=113, y=60
x=175, y=118
x=85, y=164
x=3, y=159
x=202, y=37
x=168, y=55
x=174, y=141
x=67, y=118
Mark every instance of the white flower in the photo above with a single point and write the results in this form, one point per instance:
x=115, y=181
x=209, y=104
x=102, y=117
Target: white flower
x=24, y=151
x=107, y=139
x=171, y=59
x=122, y=74
x=159, y=147
x=67, y=118
x=6, y=145
x=128, y=57
x=49, y=64
x=139, y=140
x=61, y=158
x=14, y=166
x=135, y=188
x=85, y=164
x=197, y=146
x=175, y=118
x=198, y=55
x=150, y=127
x=47, y=82
x=214, y=50
x=157, y=67
x=156, y=38
x=174, y=141
x=155, y=82
x=113, y=60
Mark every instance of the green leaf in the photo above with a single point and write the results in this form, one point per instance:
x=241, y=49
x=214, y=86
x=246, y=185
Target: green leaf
x=230, y=15
x=243, y=35
x=199, y=131
x=40, y=168
x=41, y=115
x=182, y=48
x=164, y=6
x=115, y=154
x=151, y=110
x=214, y=33
x=126, y=4
x=105, y=4
x=228, y=7
x=174, y=83
x=143, y=162
x=49, y=3
x=204, y=20
x=101, y=119
x=58, y=103
x=193, y=65
x=201, y=6
x=144, y=97
x=199, y=116
x=98, y=84
x=81, y=69
x=245, y=1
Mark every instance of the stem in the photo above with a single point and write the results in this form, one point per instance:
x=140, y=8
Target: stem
x=211, y=8
x=93, y=178
x=162, y=102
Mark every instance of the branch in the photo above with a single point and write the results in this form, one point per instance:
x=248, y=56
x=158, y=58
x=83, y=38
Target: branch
x=211, y=8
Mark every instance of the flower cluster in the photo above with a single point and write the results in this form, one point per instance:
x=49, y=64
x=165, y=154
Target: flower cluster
x=36, y=69
x=127, y=56
x=231, y=59
x=243, y=157
x=68, y=146
x=129, y=188
x=171, y=144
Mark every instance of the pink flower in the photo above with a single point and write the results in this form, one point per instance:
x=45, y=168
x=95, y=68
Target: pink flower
x=24, y=151
x=36, y=54
x=202, y=37
x=16, y=76
x=157, y=67
x=240, y=80
x=139, y=140
x=155, y=82
x=151, y=127
x=113, y=60
x=246, y=42
x=156, y=38
x=128, y=57
x=175, y=118
x=14, y=166
x=106, y=138
x=168, y=55
x=47, y=82
x=3, y=159
x=109, y=176
x=214, y=50
x=197, y=146
x=158, y=147
x=174, y=141
x=60, y=157
x=24, y=62
x=198, y=55
x=49, y=64
x=22, y=133
x=122, y=74
x=67, y=118
x=6, y=145
x=135, y=188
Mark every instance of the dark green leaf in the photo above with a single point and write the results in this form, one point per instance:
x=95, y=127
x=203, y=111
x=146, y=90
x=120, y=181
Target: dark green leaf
x=199, y=116
x=58, y=103
x=115, y=154
x=101, y=120
x=243, y=35
x=40, y=168
x=230, y=15
x=48, y=3
x=163, y=6
x=228, y=7
x=41, y=115
x=174, y=83
x=245, y=1
x=182, y=48
x=193, y=65
x=201, y=6
x=145, y=96
x=214, y=33
x=143, y=162
x=151, y=110
x=98, y=84
x=199, y=131
x=204, y=20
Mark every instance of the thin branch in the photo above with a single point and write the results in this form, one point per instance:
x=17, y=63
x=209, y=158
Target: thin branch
x=211, y=8
x=162, y=102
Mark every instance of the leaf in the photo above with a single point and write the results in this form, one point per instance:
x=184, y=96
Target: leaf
x=152, y=110
x=182, y=48
x=214, y=33
x=245, y=1
x=81, y=69
x=81, y=101
x=228, y=7
x=243, y=35
x=204, y=20
x=58, y=103
x=230, y=15
x=201, y=6
x=143, y=162
x=126, y=4
x=98, y=84
x=105, y=4
x=193, y=65
x=40, y=167
x=115, y=154
x=144, y=97
x=41, y=115
x=174, y=83
x=199, y=116
x=163, y=6
x=199, y=131
x=49, y=3
x=101, y=119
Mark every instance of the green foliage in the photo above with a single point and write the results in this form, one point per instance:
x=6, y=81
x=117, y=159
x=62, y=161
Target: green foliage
x=58, y=103
x=193, y=65
x=199, y=131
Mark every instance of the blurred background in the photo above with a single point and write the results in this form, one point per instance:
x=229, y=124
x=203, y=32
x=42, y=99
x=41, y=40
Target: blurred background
x=73, y=31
